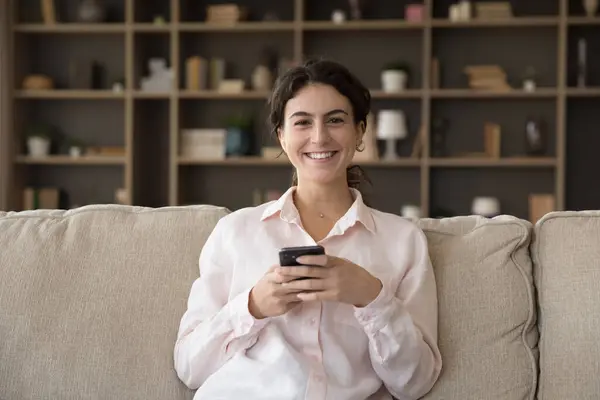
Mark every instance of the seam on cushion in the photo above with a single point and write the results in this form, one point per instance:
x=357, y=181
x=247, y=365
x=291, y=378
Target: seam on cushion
x=127, y=210
x=531, y=310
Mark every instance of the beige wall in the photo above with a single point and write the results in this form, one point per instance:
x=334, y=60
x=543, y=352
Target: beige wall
x=5, y=120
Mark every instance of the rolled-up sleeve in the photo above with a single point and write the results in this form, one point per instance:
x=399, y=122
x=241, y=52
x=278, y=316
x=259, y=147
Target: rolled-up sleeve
x=401, y=324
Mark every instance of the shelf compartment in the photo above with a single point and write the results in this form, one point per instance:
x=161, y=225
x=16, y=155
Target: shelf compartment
x=56, y=55
x=373, y=10
x=241, y=53
x=591, y=34
x=258, y=10
x=583, y=142
x=92, y=184
x=378, y=47
x=467, y=118
x=453, y=190
x=66, y=11
x=456, y=49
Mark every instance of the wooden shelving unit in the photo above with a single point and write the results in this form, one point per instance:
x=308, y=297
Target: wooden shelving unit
x=148, y=125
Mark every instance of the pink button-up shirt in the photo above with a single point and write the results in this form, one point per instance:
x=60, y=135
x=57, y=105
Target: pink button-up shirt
x=318, y=350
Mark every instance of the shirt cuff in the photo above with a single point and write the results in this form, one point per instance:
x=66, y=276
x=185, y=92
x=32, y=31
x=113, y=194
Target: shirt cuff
x=375, y=315
x=242, y=321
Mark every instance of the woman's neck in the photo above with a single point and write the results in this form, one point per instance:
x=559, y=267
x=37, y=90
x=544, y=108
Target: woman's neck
x=331, y=201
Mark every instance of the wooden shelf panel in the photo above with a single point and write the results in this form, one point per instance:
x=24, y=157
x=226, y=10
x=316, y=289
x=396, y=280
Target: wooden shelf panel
x=382, y=24
x=278, y=26
x=584, y=92
x=491, y=94
x=74, y=28
x=69, y=94
x=526, y=22
x=583, y=20
x=141, y=27
x=494, y=162
x=211, y=94
x=68, y=160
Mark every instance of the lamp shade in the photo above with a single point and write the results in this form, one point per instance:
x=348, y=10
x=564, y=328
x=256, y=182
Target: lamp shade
x=391, y=124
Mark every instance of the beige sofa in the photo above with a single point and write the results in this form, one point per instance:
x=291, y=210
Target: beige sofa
x=90, y=302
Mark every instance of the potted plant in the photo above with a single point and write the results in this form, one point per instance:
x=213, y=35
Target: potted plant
x=39, y=140
x=239, y=131
x=394, y=77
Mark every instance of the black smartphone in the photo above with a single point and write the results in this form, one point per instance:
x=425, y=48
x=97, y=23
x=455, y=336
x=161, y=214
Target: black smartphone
x=288, y=255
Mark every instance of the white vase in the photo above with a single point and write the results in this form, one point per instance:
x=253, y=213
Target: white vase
x=486, y=206
x=393, y=81
x=38, y=146
x=591, y=7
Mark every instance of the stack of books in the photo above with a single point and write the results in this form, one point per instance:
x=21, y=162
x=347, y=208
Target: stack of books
x=225, y=14
x=493, y=10
x=487, y=77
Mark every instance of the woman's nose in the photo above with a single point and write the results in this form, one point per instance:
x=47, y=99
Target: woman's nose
x=319, y=134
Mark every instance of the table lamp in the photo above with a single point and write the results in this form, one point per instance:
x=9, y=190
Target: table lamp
x=391, y=126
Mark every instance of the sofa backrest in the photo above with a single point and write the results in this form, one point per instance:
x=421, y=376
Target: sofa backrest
x=91, y=300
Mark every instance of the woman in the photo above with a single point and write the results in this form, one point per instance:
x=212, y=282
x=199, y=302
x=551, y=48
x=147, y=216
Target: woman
x=364, y=323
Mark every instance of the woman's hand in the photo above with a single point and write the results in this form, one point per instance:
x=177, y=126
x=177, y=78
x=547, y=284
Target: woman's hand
x=269, y=298
x=332, y=279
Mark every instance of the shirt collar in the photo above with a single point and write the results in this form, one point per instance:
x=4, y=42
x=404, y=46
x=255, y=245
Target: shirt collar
x=358, y=212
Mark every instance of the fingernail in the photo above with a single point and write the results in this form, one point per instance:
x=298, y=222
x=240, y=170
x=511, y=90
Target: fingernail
x=300, y=259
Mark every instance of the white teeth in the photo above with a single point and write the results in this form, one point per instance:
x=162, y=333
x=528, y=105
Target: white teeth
x=320, y=156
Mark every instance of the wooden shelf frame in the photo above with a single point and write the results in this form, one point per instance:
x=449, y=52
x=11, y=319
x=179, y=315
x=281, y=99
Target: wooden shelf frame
x=131, y=31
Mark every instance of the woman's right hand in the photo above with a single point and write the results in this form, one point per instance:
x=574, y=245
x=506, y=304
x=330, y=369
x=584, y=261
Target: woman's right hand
x=268, y=298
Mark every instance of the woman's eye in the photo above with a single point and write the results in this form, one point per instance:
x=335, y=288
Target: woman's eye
x=336, y=120
x=302, y=122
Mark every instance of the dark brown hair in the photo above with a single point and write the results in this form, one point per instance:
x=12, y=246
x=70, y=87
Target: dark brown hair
x=330, y=73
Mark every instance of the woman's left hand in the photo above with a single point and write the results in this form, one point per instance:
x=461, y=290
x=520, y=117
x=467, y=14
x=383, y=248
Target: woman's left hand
x=332, y=279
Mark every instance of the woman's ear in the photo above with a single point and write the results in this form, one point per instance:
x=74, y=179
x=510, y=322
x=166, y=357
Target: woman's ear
x=281, y=139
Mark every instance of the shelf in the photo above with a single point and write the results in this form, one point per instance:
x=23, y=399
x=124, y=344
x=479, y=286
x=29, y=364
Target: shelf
x=492, y=94
x=74, y=28
x=583, y=20
x=584, y=92
x=152, y=28
x=68, y=160
x=69, y=94
x=383, y=24
x=525, y=22
x=278, y=26
x=408, y=93
x=211, y=94
x=493, y=162
x=262, y=162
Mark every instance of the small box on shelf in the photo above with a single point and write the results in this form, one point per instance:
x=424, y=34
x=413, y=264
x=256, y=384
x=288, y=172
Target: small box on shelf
x=203, y=144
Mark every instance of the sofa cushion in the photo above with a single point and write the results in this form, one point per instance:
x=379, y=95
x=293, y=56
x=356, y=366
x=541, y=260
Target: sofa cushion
x=91, y=300
x=566, y=252
x=487, y=318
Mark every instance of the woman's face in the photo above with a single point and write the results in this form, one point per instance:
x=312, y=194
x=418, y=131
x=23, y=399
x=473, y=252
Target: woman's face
x=318, y=134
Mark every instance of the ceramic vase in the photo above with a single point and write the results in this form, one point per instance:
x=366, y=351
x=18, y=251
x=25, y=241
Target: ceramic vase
x=591, y=7
x=393, y=80
x=38, y=146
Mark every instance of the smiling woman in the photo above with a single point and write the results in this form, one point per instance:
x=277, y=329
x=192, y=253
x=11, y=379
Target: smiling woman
x=357, y=322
